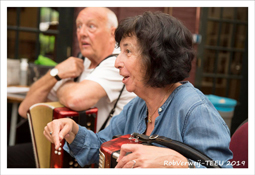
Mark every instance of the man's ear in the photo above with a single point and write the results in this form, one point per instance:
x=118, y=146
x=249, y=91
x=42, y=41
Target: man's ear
x=113, y=31
x=113, y=34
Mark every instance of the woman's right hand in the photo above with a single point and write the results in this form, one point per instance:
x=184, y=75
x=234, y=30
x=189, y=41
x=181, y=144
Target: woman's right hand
x=60, y=129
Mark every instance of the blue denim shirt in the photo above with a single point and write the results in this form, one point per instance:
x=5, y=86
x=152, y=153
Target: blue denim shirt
x=186, y=116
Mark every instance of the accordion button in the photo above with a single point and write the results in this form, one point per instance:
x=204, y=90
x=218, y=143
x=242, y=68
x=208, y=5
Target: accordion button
x=88, y=124
x=59, y=148
x=59, y=153
x=56, y=152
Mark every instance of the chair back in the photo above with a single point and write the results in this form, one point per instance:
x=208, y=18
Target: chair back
x=239, y=147
x=38, y=116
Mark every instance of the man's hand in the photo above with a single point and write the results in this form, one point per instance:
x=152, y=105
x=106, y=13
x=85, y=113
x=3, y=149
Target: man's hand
x=70, y=68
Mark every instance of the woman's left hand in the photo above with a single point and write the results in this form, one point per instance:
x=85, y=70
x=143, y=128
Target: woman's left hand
x=143, y=156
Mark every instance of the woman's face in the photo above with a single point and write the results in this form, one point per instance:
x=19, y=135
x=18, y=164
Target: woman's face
x=129, y=64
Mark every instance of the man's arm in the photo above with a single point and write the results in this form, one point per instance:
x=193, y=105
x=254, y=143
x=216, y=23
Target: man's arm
x=38, y=93
x=80, y=96
x=70, y=68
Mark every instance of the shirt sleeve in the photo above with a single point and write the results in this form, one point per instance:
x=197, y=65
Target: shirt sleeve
x=202, y=122
x=85, y=147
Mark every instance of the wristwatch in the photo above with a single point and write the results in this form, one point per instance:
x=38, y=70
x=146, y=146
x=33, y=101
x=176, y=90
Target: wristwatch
x=54, y=73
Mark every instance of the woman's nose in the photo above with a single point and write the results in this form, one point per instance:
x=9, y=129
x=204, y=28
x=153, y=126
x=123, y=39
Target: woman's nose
x=118, y=63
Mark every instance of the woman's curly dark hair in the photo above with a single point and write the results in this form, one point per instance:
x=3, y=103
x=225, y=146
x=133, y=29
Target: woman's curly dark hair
x=165, y=44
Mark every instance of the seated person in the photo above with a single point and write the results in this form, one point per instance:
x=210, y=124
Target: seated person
x=99, y=83
x=156, y=55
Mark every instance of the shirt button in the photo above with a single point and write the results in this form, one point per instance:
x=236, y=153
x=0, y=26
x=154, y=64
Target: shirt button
x=160, y=109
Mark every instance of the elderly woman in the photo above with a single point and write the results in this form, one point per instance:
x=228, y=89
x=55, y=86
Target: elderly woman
x=156, y=55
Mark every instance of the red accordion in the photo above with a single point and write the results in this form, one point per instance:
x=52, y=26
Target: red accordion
x=42, y=113
x=109, y=151
x=60, y=158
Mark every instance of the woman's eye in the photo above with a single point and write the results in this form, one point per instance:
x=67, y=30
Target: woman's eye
x=128, y=51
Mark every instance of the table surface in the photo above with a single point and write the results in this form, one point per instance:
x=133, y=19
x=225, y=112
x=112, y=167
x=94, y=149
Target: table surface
x=16, y=97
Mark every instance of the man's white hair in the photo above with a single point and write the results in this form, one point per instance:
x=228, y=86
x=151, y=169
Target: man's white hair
x=112, y=19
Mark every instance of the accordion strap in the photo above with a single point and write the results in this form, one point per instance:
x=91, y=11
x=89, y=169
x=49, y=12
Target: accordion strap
x=83, y=58
x=184, y=149
x=113, y=110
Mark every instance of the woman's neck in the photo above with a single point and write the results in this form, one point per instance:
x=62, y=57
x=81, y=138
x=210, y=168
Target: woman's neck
x=156, y=97
x=153, y=96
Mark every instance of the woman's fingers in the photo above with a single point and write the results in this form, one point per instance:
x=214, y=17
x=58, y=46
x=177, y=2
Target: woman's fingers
x=127, y=161
x=58, y=129
x=131, y=164
x=125, y=148
x=46, y=134
x=65, y=131
x=51, y=132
